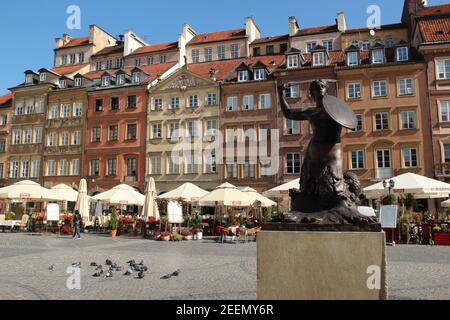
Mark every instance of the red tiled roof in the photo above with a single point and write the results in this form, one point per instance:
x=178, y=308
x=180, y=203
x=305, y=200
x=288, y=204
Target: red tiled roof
x=383, y=27
x=435, y=30
x=109, y=50
x=434, y=10
x=69, y=69
x=223, y=68
x=5, y=98
x=76, y=42
x=271, y=62
x=284, y=37
x=336, y=57
x=218, y=36
x=156, y=48
x=153, y=70
x=315, y=30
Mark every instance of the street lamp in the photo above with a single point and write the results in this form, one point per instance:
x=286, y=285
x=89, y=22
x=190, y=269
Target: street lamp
x=390, y=185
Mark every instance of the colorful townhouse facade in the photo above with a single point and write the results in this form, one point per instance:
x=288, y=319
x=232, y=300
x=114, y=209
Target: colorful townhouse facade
x=5, y=131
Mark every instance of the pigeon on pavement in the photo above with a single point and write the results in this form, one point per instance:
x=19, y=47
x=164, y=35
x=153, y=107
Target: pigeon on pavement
x=128, y=273
x=93, y=264
x=176, y=273
x=141, y=275
x=51, y=268
x=168, y=276
x=76, y=264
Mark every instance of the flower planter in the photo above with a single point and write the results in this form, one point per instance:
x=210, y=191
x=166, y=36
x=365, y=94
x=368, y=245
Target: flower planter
x=165, y=238
x=113, y=233
x=187, y=238
x=441, y=238
x=199, y=236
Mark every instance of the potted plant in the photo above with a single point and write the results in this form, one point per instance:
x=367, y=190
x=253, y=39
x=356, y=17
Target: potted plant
x=165, y=236
x=177, y=237
x=441, y=235
x=187, y=235
x=197, y=229
x=405, y=222
x=113, y=224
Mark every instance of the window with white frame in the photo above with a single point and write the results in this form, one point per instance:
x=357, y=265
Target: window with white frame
x=259, y=74
x=293, y=163
x=406, y=87
x=381, y=121
x=174, y=130
x=137, y=63
x=234, y=51
x=292, y=61
x=63, y=59
x=72, y=58
x=94, y=168
x=64, y=139
x=3, y=120
x=2, y=146
x=360, y=123
x=76, y=138
x=121, y=79
x=318, y=59
x=136, y=77
x=192, y=128
x=51, y=168
x=27, y=136
x=29, y=107
x=292, y=127
x=193, y=101
x=37, y=135
x=249, y=169
x=96, y=134
x=15, y=137
x=210, y=163
x=410, y=159
x=377, y=56
x=445, y=111
x=63, y=168
x=408, y=119
x=109, y=64
x=20, y=109
x=157, y=104
x=292, y=91
x=174, y=103
x=75, y=167
x=25, y=169
x=150, y=60
x=53, y=112
x=248, y=102
x=131, y=167
x=446, y=152
x=221, y=52
x=208, y=54
x=173, y=164
x=354, y=90
x=232, y=103
x=357, y=159
x=119, y=63
x=77, y=109
x=212, y=99
x=156, y=165
x=78, y=82
x=14, y=169
x=65, y=111
x=98, y=66
x=113, y=132
x=195, y=56
x=379, y=88
x=328, y=44
x=243, y=76
x=443, y=71
x=310, y=46
x=105, y=81
x=43, y=76
x=2, y=170
x=232, y=170
x=264, y=101
x=80, y=57
x=211, y=126
x=156, y=131
x=190, y=164
x=35, y=168
x=402, y=54
x=112, y=167
x=366, y=45
x=52, y=139
x=162, y=58
x=63, y=83
x=352, y=58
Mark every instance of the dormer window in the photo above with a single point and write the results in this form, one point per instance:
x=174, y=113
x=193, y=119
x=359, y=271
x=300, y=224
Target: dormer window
x=243, y=76
x=136, y=77
x=43, y=76
x=292, y=61
x=121, y=79
x=63, y=83
x=78, y=82
x=318, y=59
x=259, y=74
x=352, y=58
x=105, y=81
x=377, y=56
x=402, y=54
x=29, y=78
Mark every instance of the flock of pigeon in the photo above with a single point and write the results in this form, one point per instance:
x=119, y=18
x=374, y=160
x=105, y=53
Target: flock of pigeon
x=111, y=268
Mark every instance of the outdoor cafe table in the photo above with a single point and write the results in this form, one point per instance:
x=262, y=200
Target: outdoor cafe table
x=9, y=224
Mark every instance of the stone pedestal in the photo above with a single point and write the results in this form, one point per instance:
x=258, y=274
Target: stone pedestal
x=298, y=265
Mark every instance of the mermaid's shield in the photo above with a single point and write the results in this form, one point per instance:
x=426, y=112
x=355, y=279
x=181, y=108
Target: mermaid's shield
x=340, y=112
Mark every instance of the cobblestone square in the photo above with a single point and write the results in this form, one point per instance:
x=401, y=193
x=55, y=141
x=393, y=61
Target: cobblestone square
x=209, y=270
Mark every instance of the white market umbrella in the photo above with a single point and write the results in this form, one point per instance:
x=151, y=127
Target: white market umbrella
x=409, y=183
x=28, y=191
x=283, y=190
x=226, y=195
x=121, y=195
x=98, y=209
x=150, y=206
x=255, y=196
x=188, y=192
x=66, y=192
x=446, y=204
x=83, y=200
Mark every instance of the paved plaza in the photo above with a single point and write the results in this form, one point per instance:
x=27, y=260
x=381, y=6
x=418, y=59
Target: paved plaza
x=209, y=270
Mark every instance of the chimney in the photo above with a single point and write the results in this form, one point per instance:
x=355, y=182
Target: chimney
x=252, y=30
x=341, y=22
x=293, y=26
x=66, y=39
x=59, y=42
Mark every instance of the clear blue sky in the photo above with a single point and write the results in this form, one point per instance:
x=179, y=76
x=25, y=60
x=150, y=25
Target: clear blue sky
x=29, y=27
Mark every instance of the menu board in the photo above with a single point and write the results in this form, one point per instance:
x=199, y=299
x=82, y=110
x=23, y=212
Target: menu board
x=52, y=212
x=175, y=212
x=388, y=217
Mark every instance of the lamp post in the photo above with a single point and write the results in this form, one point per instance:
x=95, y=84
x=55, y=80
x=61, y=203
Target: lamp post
x=389, y=184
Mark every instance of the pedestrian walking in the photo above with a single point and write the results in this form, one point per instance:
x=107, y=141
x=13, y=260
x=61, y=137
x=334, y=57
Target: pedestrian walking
x=77, y=221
